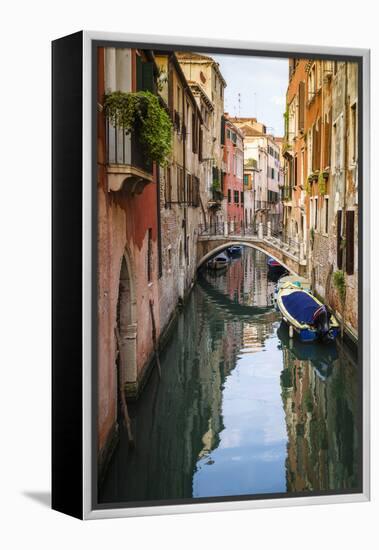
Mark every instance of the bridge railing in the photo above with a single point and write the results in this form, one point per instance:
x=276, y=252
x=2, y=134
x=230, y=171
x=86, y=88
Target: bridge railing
x=275, y=236
x=212, y=229
x=228, y=227
x=282, y=239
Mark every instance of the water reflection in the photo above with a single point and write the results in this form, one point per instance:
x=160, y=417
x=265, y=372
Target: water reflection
x=239, y=409
x=319, y=392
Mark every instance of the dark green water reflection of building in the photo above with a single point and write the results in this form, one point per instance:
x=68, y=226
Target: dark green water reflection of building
x=239, y=409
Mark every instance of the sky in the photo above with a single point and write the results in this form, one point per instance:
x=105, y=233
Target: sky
x=262, y=85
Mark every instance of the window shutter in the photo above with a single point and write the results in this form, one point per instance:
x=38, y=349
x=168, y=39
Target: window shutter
x=326, y=142
x=200, y=144
x=329, y=137
x=180, y=184
x=339, y=239
x=350, y=242
x=222, y=130
x=139, y=72
x=193, y=133
x=214, y=174
x=197, y=133
x=171, y=93
x=301, y=105
x=168, y=186
x=222, y=180
x=148, y=77
x=189, y=189
x=145, y=75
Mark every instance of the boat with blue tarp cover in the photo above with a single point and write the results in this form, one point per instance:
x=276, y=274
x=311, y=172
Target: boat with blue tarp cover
x=309, y=317
x=235, y=250
x=291, y=281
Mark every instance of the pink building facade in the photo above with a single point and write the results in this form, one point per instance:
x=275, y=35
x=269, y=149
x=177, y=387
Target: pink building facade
x=233, y=174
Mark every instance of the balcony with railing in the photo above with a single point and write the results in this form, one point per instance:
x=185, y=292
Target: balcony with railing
x=261, y=205
x=216, y=191
x=127, y=162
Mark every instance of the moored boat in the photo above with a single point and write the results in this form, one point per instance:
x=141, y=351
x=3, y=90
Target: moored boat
x=235, y=250
x=306, y=315
x=220, y=261
x=291, y=281
x=275, y=269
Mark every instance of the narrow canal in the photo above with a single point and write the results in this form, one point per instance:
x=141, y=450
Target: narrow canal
x=240, y=409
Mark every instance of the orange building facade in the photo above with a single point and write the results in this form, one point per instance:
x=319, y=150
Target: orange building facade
x=320, y=195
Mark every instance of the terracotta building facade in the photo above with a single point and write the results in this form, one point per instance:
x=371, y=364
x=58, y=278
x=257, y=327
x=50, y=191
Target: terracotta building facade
x=128, y=248
x=320, y=195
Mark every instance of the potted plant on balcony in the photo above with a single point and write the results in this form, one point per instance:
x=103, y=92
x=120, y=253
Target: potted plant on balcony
x=141, y=112
x=325, y=174
x=216, y=190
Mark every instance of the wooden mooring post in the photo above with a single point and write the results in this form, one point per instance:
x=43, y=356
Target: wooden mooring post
x=154, y=335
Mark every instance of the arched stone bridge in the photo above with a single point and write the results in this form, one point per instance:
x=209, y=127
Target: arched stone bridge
x=288, y=252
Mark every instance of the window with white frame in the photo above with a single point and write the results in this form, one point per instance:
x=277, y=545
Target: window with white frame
x=312, y=82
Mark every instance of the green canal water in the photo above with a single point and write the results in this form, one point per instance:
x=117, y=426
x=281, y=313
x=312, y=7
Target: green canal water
x=240, y=409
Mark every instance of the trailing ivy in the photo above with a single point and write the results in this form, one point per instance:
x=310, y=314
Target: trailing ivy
x=216, y=185
x=321, y=183
x=340, y=284
x=286, y=116
x=141, y=112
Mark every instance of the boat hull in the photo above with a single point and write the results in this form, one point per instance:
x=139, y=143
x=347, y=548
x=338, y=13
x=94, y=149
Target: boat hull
x=299, y=316
x=219, y=262
x=235, y=250
x=310, y=335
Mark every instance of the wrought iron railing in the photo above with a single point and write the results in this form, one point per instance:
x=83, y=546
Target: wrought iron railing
x=282, y=239
x=211, y=229
x=275, y=236
x=125, y=148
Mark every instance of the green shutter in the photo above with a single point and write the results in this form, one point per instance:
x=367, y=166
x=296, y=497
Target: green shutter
x=145, y=75
x=222, y=130
x=350, y=242
x=339, y=239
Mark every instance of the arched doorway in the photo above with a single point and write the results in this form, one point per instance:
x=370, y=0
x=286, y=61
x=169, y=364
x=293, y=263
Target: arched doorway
x=126, y=330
